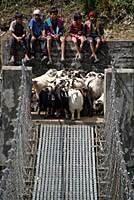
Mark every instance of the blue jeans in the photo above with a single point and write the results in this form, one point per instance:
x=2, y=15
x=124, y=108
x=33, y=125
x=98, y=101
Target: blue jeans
x=42, y=42
x=13, y=42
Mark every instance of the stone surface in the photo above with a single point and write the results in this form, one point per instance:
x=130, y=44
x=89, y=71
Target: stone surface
x=121, y=51
x=0, y=89
x=11, y=81
x=124, y=89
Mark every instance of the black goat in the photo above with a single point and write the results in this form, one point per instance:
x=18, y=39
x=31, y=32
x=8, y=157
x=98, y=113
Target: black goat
x=44, y=100
x=88, y=102
x=54, y=101
x=61, y=101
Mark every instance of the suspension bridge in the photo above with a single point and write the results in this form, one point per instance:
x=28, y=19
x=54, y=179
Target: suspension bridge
x=67, y=161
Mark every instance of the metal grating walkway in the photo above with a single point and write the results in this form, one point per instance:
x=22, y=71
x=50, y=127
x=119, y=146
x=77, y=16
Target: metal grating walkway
x=65, y=167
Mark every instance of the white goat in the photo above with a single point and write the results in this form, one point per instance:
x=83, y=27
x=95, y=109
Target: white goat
x=89, y=77
x=91, y=74
x=75, y=102
x=41, y=81
x=97, y=86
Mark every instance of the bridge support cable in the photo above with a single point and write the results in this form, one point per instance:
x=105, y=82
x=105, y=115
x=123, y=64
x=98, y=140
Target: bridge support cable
x=65, y=167
x=114, y=182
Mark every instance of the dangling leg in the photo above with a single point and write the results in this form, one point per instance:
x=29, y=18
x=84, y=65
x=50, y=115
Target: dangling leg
x=25, y=42
x=33, y=47
x=92, y=49
x=12, y=48
x=74, y=39
x=62, y=39
x=43, y=44
x=82, y=39
x=49, y=42
x=98, y=41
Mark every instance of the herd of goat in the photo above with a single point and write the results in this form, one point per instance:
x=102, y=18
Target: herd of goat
x=68, y=94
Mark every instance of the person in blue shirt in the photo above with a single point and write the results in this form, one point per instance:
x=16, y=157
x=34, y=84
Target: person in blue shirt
x=37, y=32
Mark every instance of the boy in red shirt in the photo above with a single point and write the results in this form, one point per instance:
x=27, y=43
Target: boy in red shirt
x=94, y=33
x=76, y=33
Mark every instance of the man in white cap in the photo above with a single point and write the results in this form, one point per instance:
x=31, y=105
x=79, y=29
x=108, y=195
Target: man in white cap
x=37, y=29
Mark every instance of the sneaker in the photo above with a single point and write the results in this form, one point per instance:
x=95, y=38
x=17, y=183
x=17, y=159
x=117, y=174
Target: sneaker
x=96, y=60
x=49, y=62
x=27, y=59
x=44, y=58
x=32, y=58
x=91, y=57
x=12, y=61
x=79, y=57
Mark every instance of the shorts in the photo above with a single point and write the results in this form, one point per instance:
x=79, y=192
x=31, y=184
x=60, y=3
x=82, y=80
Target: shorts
x=51, y=37
x=77, y=38
x=93, y=38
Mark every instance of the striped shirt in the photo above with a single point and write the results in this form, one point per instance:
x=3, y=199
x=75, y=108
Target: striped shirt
x=17, y=29
x=75, y=29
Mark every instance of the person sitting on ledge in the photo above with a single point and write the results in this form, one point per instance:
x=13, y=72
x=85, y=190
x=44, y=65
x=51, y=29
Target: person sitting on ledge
x=94, y=33
x=37, y=32
x=76, y=33
x=18, y=34
x=54, y=30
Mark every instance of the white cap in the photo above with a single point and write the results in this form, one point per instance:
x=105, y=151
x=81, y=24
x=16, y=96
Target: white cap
x=37, y=12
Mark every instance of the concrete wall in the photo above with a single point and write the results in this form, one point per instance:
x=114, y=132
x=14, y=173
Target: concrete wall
x=125, y=105
x=11, y=82
x=121, y=51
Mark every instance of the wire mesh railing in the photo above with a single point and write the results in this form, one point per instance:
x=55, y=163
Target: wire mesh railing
x=13, y=182
x=117, y=183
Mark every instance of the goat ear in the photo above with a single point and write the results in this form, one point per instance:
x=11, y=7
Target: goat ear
x=99, y=101
x=34, y=81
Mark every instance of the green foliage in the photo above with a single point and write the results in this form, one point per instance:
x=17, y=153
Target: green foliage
x=115, y=8
x=11, y=4
x=111, y=8
x=86, y=5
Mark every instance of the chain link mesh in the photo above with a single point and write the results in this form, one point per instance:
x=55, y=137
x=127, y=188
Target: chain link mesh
x=117, y=182
x=13, y=184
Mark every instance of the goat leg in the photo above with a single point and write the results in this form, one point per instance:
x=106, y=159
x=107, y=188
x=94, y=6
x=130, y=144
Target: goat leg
x=66, y=114
x=78, y=114
x=72, y=112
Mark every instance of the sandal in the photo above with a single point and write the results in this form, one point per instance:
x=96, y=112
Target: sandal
x=78, y=57
x=63, y=61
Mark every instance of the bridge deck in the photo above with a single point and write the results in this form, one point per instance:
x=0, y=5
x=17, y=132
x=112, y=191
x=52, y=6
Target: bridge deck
x=84, y=120
x=65, y=167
